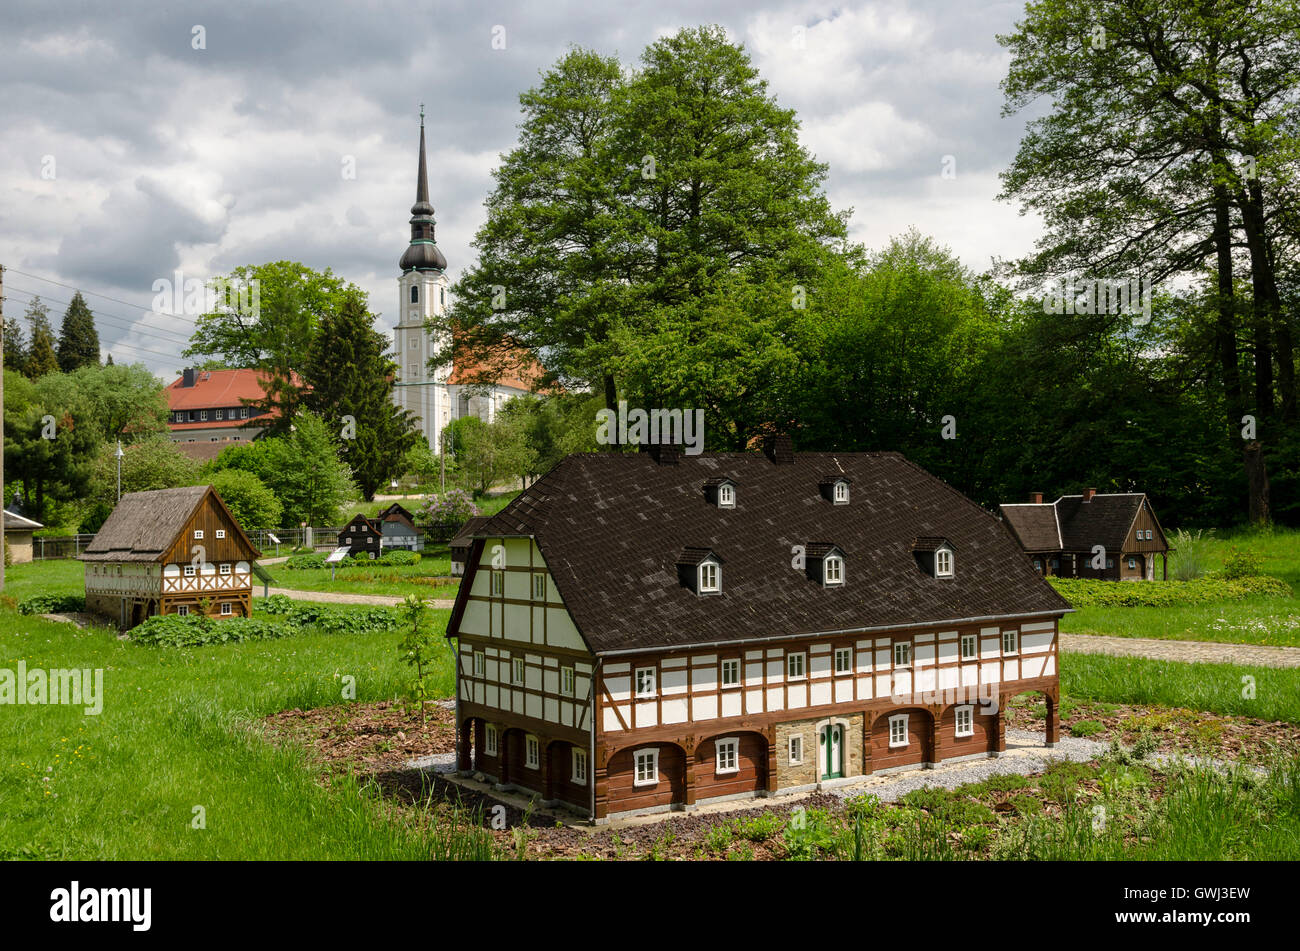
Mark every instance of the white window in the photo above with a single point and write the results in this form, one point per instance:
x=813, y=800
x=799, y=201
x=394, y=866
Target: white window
x=1008, y=642
x=517, y=670
x=1132, y=563
x=198, y=533
x=498, y=583
x=203, y=414
x=794, y=665
x=843, y=660
x=189, y=571
x=731, y=673
x=579, y=774
x=647, y=768
x=943, y=563
x=710, y=577
x=182, y=609
x=841, y=493
x=218, y=414
x=490, y=740
x=898, y=730
x=226, y=607
x=539, y=586
x=969, y=647
x=728, y=755
x=225, y=568
x=566, y=681
x=221, y=533
x=965, y=721
x=532, y=753
x=645, y=681
x=243, y=413
x=726, y=496
x=478, y=663
x=796, y=749
x=834, y=569
x=414, y=342
x=902, y=654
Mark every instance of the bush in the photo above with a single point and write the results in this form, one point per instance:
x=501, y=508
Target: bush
x=1188, y=559
x=1087, y=728
x=1242, y=564
x=297, y=562
x=442, y=515
x=400, y=557
x=52, y=603
x=331, y=620
x=1091, y=592
x=173, y=630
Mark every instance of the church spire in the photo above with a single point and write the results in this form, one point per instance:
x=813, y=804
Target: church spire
x=423, y=253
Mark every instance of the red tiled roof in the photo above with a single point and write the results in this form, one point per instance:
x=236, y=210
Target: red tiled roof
x=518, y=369
x=219, y=389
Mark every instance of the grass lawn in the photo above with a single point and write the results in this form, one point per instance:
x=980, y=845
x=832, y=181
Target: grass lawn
x=429, y=579
x=177, y=732
x=56, y=576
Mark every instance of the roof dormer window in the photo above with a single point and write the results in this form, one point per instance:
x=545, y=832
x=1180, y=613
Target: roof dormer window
x=834, y=570
x=721, y=492
x=934, y=556
x=825, y=564
x=726, y=496
x=943, y=563
x=841, y=493
x=710, y=578
x=835, y=489
x=700, y=570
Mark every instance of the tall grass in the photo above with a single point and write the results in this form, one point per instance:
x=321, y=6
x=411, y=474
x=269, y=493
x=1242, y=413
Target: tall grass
x=1191, y=556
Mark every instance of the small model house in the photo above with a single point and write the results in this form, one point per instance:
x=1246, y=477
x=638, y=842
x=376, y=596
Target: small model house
x=19, y=532
x=652, y=631
x=361, y=536
x=169, y=551
x=460, y=545
x=397, y=526
x=1112, y=536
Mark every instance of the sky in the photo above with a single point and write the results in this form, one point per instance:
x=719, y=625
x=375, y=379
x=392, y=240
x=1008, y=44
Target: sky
x=142, y=139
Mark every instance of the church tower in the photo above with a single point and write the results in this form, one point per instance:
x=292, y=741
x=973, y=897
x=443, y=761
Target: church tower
x=422, y=294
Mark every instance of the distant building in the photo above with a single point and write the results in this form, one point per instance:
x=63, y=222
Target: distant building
x=18, y=537
x=1113, y=536
x=362, y=537
x=398, y=528
x=460, y=545
x=211, y=406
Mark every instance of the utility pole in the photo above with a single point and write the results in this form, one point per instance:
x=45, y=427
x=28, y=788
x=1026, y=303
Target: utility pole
x=2, y=416
x=119, y=455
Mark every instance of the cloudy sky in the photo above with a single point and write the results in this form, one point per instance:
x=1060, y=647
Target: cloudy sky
x=128, y=154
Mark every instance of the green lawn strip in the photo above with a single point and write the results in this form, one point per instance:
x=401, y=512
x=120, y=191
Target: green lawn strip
x=180, y=728
x=1265, y=693
x=1267, y=621
x=55, y=576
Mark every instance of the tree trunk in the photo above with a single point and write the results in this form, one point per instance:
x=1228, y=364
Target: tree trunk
x=1267, y=322
x=1257, y=479
x=611, y=404
x=1226, y=326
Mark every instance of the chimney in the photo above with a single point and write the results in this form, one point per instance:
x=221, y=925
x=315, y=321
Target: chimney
x=187, y=377
x=1035, y=498
x=780, y=449
x=665, y=453
x=1088, y=494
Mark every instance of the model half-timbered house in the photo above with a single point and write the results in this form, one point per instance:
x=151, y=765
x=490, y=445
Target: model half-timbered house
x=397, y=526
x=651, y=631
x=169, y=551
x=1114, y=536
x=361, y=537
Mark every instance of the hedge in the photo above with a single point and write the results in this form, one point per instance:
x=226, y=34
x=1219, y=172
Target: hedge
x=287, y=617
x=1091, y=592
x=52, y=604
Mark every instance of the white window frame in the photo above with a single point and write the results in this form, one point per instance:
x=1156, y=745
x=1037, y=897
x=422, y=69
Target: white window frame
x=188, y=569
x=964, y=717
x=532, y=752
x=479, y=662
x=847, y=654
x=833, y=571
x=578, y=771
x=539, y=586
x=732, y=664
x=974, y=642
x=903, y=649
x=567, y=681
x=203, y=415
x=183, y=610
x=943, y=567
x=227, y=609
x=794, y=749
x=218, y=414
x=840, y=493
x=798, y=659
x=221, y=533
x=490, y=740
x=645, y=681
x=498, y=583
x=642, y=777
x=223, y=568
x=726, y=755
x=898, y=725
x=726, y=497
x=1012, y=638
x=709, y=575
x=198, y=534
x=517, y=671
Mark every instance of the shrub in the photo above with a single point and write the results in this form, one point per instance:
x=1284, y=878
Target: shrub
x=173, y=630
x=400, y=557
x=314, y=560
x=1242, y=564
x=1087, y=728
x=51, y=603
x=1091, y=592
x=442, y=515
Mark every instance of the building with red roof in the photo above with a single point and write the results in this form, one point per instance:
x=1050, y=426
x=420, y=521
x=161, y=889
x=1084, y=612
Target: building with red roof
x=217, y=406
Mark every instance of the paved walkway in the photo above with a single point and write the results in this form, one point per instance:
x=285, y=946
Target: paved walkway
x=1191, y=652
x=337, y=597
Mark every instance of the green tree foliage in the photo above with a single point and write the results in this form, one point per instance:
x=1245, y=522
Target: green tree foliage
x=350, y=382
x=50, y=444
x=488, y=454
x=553, y=426
x=123, y=402
x=250, y=501
x=41, y=358
x=15, y=345
x=78, y=339
x=152, y=463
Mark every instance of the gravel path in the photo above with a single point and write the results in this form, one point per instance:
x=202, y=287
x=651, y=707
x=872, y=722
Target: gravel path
x=1193, y=652
x=337, y=597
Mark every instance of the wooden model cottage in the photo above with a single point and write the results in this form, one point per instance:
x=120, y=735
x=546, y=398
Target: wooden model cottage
x=169, y=551
x=1112, y=536
x=651, y=631
x=361, y=537
x=397, y=526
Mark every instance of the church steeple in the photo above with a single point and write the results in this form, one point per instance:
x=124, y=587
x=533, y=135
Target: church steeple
x=423, y=253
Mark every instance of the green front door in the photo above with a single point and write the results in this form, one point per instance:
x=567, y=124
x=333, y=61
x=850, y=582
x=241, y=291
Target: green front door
x=832, y=751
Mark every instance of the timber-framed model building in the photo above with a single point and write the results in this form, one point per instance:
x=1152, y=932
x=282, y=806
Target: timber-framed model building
x=650, y=631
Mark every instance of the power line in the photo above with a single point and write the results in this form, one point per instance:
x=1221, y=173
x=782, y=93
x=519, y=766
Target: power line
x=128, y=322
x=127, y=346
x=116, y=300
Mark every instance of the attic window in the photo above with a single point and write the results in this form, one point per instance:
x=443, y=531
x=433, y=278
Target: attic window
x=221, y=533
x=710, y=577
x=834, y=569
x=720, y=492
x=943, y=563
x=726, y=496
x=700, y=570
x=841, y=493
x=824, y=564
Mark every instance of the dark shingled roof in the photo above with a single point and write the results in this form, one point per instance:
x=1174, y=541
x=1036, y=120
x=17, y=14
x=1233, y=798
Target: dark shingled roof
x=613, y=526
x=466, y=534
x=1034, y=525
x=145, y=524
x=1072, y=525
